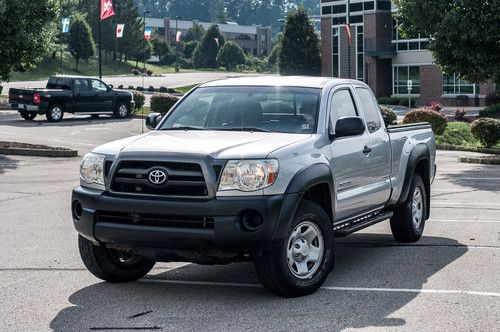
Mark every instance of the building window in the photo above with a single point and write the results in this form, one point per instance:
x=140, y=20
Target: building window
x=359, y=53
x=383, y=5
x=339, y=9
x=327, y=10
x=338, y=20
x=401, y=75
x=369, y=5
x=454, y=85
x=335, y=52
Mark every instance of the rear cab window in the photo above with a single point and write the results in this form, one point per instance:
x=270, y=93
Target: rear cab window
x=371, y=110
x=59, y=83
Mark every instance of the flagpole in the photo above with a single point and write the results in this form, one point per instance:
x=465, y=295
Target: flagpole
x=100, y=53
x=116, y=43
x=60, y=39
x=349, y=42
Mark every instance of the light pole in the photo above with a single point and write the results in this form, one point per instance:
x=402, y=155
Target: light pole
x=349, y=41
x=145, y=48
x=177, y=18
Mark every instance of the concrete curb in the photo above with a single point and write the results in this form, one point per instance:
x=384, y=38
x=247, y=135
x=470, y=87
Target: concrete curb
x=490, y=160
x=467, y=149
x=39, y=152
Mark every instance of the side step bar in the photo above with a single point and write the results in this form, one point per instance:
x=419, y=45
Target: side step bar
x=354, y=225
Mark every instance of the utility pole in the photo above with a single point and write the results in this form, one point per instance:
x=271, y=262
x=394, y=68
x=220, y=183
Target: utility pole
x=349, y=41
x=177, y=18
x=100, y=52
x=61, y=34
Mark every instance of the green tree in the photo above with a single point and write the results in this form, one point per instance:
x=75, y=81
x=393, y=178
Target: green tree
x=142, y=52
x=300, y=51
x=161, y=49
x=189, y=48
x=80, y=42
x=218, y=12
x=465, y=34
x=26, y=32
x=195, y=32
x=205, y=54
x=231, y=55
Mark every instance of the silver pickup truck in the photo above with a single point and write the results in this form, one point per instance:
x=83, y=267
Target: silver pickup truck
x=261, y=169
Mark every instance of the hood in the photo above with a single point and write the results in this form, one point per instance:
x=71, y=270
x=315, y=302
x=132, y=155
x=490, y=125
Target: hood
x=216, y=144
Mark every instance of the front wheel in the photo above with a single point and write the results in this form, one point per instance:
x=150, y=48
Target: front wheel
x=55, y=113
x=122, y=111
x=300, y=265
x=112, y=265
x=408, y=221
x=28, y=116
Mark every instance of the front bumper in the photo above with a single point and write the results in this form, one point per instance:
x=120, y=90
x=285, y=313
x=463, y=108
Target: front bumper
x=225, y=234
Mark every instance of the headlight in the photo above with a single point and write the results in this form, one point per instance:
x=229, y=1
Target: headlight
x=92, y=169
x=249, y=175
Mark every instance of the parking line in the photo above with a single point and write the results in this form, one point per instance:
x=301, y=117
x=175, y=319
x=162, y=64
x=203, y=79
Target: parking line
x=466, y=221
x=352, y=289
x=463, y=203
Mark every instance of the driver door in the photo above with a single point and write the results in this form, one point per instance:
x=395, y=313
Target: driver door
x=103, y=97
x=350, y=165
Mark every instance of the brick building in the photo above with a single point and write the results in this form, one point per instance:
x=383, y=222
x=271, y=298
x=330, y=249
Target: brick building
x=255, y=40
x=385, y=61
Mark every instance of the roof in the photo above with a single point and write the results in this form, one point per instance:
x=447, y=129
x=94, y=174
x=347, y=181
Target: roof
x=295, y=81
x=72, y=76
x=185, y=25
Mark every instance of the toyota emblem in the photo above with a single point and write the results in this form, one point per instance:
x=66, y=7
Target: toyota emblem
x=157, y=176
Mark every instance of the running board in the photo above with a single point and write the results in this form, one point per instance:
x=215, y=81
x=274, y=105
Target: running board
x=354, y=225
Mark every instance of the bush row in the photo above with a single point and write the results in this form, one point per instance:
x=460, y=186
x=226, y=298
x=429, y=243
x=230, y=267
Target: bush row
x=437, y=120
x=487, y=131
x=491, y=111
x=161, y=89
x=163, y=102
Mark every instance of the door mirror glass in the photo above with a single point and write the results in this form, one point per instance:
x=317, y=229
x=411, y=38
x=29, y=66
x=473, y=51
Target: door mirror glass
x=110, y=87
x=152, y=120
x=349, y=126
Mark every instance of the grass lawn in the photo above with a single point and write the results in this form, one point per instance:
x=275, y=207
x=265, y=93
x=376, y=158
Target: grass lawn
x=459, y=134
x=51, y=66
x=185, y=89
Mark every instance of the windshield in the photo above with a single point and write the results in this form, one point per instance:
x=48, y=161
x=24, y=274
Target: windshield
x=249, y=108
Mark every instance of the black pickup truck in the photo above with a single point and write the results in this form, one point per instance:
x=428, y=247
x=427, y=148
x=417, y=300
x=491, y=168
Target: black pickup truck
x=71, y=94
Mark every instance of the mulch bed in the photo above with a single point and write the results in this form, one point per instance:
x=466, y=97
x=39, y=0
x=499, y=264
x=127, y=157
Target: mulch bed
x=39, y=150
x=18, y=145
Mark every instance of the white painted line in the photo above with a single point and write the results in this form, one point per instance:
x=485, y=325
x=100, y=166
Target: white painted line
x=463, y=203
x=463, y=179
x=466, y=221
x=352, y=289
x=454, y=190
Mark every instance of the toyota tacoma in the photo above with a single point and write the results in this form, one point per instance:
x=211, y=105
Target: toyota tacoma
x=264, y=169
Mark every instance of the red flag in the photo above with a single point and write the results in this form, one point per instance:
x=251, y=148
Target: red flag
x=178, y=38
x=348, y=29
x=107, y=9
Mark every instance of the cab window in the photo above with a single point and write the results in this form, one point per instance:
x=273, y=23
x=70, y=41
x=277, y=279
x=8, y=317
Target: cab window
x=342, y=105
x=99, y=86
x=81, y=85
x=372, y=116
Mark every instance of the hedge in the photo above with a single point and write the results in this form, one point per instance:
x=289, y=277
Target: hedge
x=488, y=112
x=139, y=99
x=163, y=102
x=486, y=130
x=390, y=118
x=437, y=121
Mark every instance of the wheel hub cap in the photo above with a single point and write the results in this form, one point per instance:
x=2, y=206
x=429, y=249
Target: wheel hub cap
x=305, y=250
x=417, y=208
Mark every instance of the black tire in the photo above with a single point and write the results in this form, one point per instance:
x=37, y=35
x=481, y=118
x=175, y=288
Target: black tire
x=119, y=112
x=403, y=227
x=273, y=268
x=55, y=113
x=28, y=116
x=105, y=263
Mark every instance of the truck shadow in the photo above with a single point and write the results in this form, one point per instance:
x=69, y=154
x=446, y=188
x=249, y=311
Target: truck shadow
x=69, y=121
x=7, y=164
x=365, y=260
x=484, y=178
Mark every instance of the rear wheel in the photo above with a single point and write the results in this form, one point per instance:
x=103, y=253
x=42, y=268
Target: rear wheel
x=122, y=110
x=28, y=115
x=55, y=113
x=112, y=265
x=300, y=265
x=408, y=221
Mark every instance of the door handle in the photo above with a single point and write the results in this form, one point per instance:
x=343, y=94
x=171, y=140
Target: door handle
x=367, y=149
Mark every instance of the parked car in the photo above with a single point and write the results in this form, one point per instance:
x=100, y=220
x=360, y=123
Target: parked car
x=265, y=169
x=71, y=94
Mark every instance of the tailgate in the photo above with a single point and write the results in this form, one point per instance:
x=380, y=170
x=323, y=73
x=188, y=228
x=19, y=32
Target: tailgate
x=21, y=96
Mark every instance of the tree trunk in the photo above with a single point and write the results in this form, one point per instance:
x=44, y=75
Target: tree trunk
x=76, y=64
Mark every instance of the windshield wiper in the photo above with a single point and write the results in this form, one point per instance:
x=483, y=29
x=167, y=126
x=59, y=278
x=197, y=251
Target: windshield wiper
x=251, y=129
x=183, y=128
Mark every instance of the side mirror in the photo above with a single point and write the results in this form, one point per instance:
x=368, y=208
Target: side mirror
x=152, y=120
x=110, y=87
x=348, y=126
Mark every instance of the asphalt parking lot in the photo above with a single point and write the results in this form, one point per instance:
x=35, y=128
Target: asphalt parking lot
x=450, y=280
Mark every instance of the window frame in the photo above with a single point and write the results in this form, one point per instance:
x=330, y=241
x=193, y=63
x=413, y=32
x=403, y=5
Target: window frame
x=337, y=89
x=395, y=80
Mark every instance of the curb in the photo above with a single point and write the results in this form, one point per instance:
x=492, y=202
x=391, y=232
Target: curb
x=466, y=149
x=39, y=152
x=490, y=160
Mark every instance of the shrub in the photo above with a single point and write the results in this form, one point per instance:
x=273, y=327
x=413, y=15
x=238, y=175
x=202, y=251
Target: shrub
x=163, y=89
x=231, y=55
x=388, y=101
x=437, y=121
x=149, y=72
x=492, y=98
x=435, y=106
x=151, y=88
x=163, y=102
x=390, y=118
x=139, y=99
x=130, y=87
x=489, y=112
x=139, y=88
x=120, y=86
x=1, y=88
x=487, y=131
x=404, y=102
x=170, y=90
x=459, y=114
x=458, y=133
x=136, y=72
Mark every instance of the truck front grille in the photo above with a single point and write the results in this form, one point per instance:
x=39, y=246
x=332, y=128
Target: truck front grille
x=158, y=220
x=184, y=179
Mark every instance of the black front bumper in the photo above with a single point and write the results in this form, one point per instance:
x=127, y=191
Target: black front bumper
x=225, y=234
